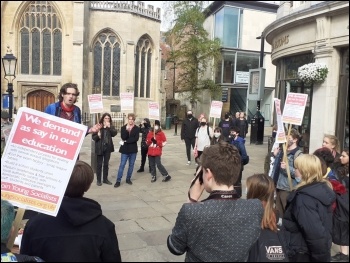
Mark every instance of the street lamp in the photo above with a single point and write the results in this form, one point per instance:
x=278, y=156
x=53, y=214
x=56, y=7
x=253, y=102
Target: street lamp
x=261, y=62
x=9, y=63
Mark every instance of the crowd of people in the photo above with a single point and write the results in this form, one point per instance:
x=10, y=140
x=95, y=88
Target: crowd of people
x=293, y=213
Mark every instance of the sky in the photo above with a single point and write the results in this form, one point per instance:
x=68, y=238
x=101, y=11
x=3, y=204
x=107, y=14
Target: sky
x=165, y=24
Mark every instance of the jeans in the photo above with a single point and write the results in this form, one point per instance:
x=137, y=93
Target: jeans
x=123, y=160
x=156, y=160
x=103, y=160
x=189, y=143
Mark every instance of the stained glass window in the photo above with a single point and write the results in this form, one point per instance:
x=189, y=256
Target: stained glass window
x=41, y=43
x=143, y=68
x=107, y=64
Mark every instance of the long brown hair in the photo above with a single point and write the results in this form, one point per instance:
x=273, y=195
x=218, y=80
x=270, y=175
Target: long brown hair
x=262, y=187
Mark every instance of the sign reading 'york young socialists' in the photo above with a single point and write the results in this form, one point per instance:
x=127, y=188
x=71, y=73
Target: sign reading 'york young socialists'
x=38, y=160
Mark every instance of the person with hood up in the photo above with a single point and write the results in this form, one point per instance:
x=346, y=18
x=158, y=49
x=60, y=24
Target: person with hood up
x=156, y=140
x=79, y=232
x=308, y=215
x=145, y=126
x=239, y=142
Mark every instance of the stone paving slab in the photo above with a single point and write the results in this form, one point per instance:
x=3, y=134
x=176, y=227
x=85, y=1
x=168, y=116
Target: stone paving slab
x=144, y=213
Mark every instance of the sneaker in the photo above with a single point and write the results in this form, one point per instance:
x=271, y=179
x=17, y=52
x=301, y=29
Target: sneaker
x=117, y=184
x=154, y=178
x=128, y=181
x=99, y=183
x=166, y=178
x=107, y=182
x=189, y=162
x=340, y=257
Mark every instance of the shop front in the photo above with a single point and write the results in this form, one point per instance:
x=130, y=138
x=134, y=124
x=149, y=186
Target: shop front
x=315, y=34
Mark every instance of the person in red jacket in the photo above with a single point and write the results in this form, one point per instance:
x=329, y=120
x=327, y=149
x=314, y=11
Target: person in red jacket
x=156, y=140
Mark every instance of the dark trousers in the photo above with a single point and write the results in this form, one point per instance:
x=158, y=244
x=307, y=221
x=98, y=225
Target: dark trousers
x=189, y=143
x=103, y=160
x=238, y=184
x=156, y=160
x=143, y=158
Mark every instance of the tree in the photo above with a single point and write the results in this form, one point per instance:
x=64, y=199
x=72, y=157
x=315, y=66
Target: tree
x=195, y=54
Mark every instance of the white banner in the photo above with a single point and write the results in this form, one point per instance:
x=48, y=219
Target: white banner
x=215, y=109
x=294, y=108
x=95, y=103
x=127, y=101
x=153, y=110
x=38, y=160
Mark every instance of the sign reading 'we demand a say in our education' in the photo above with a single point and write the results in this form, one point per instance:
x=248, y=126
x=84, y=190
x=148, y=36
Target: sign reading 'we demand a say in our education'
x=38, y=160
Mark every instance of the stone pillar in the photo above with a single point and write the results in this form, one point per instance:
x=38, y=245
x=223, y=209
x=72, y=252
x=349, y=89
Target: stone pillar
x=77, y=51
x=325, y=95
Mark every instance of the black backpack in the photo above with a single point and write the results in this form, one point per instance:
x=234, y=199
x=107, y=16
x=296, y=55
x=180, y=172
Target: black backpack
x=207, y=131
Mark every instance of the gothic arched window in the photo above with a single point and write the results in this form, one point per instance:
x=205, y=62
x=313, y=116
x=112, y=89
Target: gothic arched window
x=106, y=52
x=143, y=68
x=40, y=40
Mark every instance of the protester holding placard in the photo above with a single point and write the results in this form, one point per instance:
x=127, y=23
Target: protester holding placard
x=104, y=147
x=7, y=219
x=130, y=134
x=279, y=171
x=79, y=232
x=65, y=107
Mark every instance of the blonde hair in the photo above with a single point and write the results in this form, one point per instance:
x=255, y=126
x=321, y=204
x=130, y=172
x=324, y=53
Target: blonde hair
x=310, y=168
x=334, y=141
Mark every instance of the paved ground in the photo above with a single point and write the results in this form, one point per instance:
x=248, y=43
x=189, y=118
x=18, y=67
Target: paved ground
x=144, y=213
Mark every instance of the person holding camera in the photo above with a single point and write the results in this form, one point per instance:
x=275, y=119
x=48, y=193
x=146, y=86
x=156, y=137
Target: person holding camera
x=104, y=147
x=222, y=227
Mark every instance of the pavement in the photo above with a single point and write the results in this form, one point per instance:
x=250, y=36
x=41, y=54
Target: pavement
x=144, y=213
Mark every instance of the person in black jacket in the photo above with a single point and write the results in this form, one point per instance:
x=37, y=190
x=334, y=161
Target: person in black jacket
x=7, y=218
x=188, y=133
x=130, y=134
x=308, y=216
x=79, y=232
x=104, y=147
x=144, y=129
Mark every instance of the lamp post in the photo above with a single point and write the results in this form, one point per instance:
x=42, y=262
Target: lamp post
x=9, y=62
x=261, y=62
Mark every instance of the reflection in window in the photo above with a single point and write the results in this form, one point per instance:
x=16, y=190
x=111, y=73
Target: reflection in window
x=40, y=43
x=245, y=62
x=293, y=63
x=227, y=23
x=107, y=64
x=143, y=68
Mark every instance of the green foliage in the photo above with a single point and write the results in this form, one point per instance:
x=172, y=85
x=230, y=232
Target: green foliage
x=193, y=51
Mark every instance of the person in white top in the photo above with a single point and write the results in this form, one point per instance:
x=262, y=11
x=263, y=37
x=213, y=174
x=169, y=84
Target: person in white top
x=204, y=134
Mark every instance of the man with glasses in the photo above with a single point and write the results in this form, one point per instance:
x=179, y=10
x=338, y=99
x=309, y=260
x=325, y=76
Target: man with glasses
x=65, y=107
x=129, y=134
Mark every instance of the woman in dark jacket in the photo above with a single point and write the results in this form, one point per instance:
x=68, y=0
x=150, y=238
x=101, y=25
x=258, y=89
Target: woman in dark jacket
x=79, y=232
x=144, y=129
x=308, y=216
x=104, y=146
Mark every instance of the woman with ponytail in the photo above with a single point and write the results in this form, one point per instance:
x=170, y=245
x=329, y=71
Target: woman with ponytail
x=271, y=245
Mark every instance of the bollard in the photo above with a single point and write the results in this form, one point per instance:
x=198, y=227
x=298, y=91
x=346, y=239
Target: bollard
x=175, y=133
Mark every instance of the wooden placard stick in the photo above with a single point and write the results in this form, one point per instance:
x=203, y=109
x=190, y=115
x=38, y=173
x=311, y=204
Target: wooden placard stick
x=285, y=159
x=16, y=225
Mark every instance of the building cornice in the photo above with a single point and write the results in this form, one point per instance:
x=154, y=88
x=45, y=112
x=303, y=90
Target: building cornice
x=326, y=8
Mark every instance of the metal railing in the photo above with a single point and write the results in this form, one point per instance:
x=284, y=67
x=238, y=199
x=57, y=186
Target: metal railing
x=118, y=119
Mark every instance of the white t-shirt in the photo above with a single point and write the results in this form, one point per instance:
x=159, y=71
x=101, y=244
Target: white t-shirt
x=202, y=137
